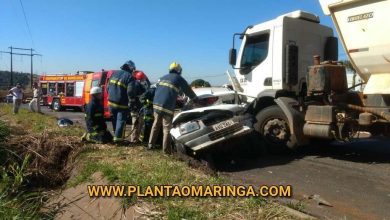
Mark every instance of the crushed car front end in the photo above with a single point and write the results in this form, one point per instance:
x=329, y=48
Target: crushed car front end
x=202, y=129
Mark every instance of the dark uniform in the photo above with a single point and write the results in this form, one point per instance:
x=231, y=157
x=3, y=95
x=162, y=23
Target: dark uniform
x=164, y=103
x=137, y=111
x=147, y=114
x=121, y=88
x=96, y=125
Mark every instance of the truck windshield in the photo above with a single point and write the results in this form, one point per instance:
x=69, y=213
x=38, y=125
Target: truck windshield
x=255, y=50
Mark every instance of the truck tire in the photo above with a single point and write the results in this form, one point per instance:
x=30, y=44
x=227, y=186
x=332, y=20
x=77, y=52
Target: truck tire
x=56, y=105
x=272, y=125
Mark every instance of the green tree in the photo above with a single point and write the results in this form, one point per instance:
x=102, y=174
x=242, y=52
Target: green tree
x=200, y=83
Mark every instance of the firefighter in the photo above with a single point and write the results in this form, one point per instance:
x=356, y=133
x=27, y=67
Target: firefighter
x=164, y=103
x=146, y=114
x=142, y=78
x=136, y=106
x=94, y=119
x=121, y=88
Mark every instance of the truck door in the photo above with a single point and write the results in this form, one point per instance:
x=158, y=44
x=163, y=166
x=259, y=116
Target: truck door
x=256, y=64
x=61, y=93
x=70, y=93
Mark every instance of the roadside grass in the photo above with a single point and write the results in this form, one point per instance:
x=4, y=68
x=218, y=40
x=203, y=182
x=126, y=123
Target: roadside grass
x=17, y=199
x=35, y=123
x=137, y=166
x=297, y=205
x=122, y=166
x=4, y=131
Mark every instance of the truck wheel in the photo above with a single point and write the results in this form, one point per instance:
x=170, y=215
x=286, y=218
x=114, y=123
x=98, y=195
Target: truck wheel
x=273, y=127
x=56, y=105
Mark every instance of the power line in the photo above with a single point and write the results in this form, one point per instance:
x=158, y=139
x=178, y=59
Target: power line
x=31, y=55
x=25, y=19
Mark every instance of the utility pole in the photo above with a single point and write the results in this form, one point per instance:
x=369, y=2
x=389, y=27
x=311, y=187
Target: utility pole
x=12, y=78
x=31, y=54
x=31, y=73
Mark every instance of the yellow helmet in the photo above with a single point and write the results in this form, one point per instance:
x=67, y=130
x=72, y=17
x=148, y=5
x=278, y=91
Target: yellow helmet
x=175, y=68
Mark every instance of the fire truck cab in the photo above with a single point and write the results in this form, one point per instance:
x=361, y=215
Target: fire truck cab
x=61, y=91
x=66, y=91
x=98, y=79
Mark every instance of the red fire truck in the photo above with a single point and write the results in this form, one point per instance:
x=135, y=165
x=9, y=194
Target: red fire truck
x=73, y=91
x=98, y=79
x=61, y=91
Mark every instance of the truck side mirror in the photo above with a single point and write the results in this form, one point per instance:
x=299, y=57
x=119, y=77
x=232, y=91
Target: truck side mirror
x=232, y=56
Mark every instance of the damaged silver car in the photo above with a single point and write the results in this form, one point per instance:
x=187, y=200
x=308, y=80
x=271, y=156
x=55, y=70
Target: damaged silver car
x=207, y=128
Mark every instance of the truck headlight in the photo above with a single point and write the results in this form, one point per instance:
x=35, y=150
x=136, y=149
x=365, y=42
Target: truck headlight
x=189, y=127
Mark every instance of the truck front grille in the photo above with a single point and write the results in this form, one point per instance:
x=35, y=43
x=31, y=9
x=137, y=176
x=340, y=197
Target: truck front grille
x=225, y=131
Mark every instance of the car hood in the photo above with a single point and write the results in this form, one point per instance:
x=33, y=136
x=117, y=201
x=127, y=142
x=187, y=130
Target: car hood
x=223, y=107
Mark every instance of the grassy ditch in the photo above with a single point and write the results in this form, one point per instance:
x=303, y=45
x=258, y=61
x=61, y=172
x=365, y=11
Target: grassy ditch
x=34, y=158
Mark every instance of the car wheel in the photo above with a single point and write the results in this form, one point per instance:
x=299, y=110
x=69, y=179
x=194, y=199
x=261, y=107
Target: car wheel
x=273, y=127
x=209, y=161
x=56, y=105
x=180, y=148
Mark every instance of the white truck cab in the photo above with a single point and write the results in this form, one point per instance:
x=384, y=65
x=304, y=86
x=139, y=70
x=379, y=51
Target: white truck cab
x=275, y=54
x=294, y=97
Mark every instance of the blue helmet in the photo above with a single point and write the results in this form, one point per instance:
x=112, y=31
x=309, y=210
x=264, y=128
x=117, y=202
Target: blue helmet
x=128, y=66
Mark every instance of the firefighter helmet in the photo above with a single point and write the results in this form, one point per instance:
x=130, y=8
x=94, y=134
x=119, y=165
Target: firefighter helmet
x=175, y=68
x=128, y=66
x=95, y=90
x=139, y=75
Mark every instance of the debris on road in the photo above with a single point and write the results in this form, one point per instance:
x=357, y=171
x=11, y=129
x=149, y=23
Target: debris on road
x=64, y=122
x=319, y=200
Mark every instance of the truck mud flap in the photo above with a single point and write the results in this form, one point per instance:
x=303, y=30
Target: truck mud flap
x=295, y=118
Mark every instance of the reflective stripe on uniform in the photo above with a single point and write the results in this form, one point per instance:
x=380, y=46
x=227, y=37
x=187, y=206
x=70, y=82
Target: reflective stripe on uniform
x=163, y=109
x=148, y=117
x=117, y=139
x=117, y=105
x=117, y=82
x=170, y=85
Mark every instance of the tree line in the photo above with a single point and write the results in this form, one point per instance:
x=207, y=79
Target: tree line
x=18, y=77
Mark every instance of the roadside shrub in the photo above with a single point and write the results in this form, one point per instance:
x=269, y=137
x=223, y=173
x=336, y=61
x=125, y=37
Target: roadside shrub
x=4, y=131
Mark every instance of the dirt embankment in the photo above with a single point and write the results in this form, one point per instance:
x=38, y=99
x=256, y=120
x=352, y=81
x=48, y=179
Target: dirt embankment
x=50, y=156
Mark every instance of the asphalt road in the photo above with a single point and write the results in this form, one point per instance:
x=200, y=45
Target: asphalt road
x=354, y=178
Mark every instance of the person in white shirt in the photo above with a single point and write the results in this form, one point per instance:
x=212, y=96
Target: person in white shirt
x=36, y=99
x=17, y=93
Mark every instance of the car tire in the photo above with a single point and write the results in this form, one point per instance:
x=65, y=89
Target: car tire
x=273, y=127
x=209, y=161
x=56, y=105
x=180, y=149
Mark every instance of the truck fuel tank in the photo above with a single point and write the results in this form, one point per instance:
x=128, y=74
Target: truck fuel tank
x=326, y=78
